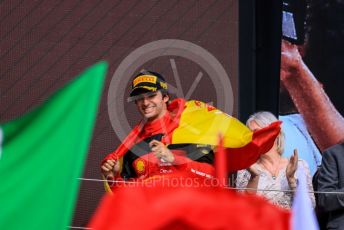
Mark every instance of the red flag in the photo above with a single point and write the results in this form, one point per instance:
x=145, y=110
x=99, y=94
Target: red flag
x=221, y=170
x=173, y=206
x=231, y=160
x=262, y=141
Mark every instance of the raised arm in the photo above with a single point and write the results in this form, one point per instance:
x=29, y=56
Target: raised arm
x=323, y=121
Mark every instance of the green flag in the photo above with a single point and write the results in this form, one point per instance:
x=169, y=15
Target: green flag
x=42, y=155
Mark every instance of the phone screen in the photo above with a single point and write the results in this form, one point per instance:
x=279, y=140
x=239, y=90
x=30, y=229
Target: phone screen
x=293, y=20
x=288, y=25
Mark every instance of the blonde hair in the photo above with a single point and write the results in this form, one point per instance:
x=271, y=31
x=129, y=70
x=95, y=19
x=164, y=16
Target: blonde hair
x=264, y=119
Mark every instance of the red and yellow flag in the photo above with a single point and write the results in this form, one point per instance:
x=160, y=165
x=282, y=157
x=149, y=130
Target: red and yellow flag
x=200, y=123
x=195, y=122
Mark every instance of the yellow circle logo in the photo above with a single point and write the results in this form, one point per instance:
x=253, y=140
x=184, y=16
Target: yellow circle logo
x=140, y=166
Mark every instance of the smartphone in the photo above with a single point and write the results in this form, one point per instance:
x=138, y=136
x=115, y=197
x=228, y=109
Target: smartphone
x=293, y=21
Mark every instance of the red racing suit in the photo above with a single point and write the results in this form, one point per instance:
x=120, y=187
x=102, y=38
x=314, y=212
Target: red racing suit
x=140, y=163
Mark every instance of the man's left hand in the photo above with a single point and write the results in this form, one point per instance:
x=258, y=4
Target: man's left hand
x=161, y=151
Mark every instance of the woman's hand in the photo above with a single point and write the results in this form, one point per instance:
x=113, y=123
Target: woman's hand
x=291, y=169
x=252, y=184
x=253, y=170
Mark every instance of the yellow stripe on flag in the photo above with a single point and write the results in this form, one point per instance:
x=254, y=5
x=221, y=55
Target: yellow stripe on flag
x=201, y=123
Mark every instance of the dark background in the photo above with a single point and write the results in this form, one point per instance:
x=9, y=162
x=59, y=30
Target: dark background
x=46, y=43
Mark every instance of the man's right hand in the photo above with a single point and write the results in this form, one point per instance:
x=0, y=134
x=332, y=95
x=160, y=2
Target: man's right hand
x=110, y=168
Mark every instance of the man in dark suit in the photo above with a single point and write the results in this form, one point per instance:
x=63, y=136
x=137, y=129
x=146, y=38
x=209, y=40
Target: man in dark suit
x=331, y=179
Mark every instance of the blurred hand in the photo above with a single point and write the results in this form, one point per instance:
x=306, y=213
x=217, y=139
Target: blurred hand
x=110, y=168
x=253, y=170
x=161, y=151
x=291, y=60
x=291, y=167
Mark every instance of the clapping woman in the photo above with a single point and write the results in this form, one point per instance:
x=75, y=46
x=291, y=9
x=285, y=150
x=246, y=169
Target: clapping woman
x=273, y=176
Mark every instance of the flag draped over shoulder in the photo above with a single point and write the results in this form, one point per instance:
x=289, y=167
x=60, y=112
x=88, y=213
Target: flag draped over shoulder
x=196, y=122
x=43, y=154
